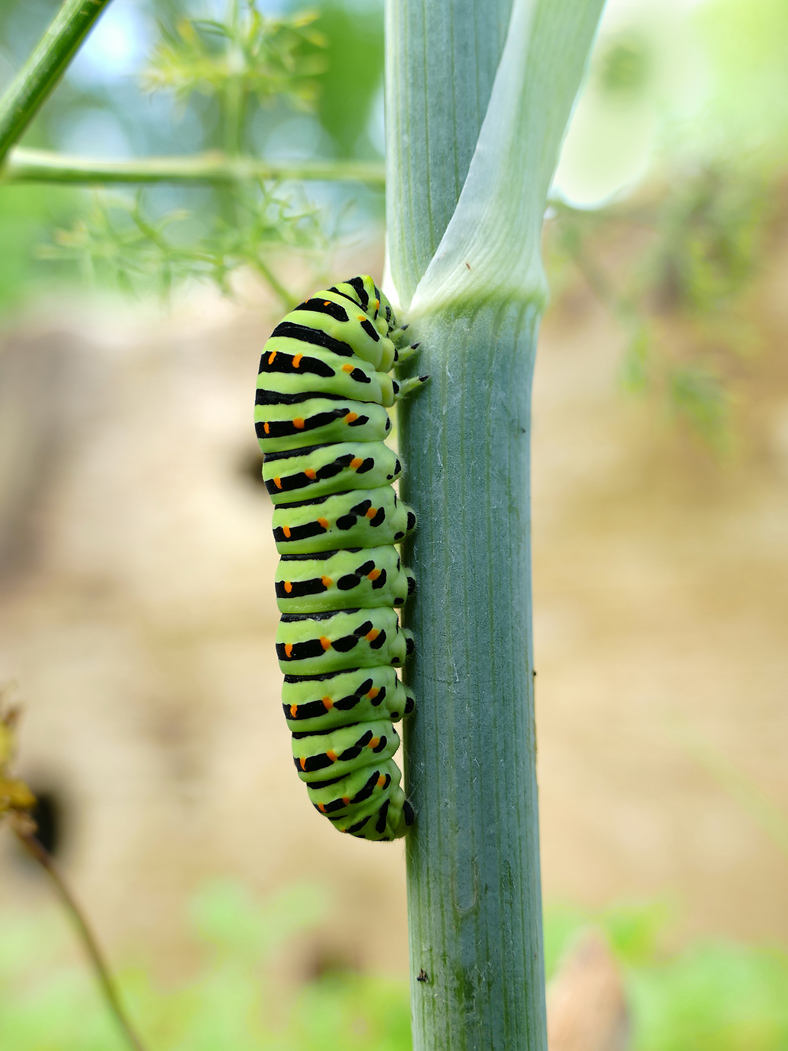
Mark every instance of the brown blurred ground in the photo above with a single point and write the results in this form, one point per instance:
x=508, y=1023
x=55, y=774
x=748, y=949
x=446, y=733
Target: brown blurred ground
x=137, y=616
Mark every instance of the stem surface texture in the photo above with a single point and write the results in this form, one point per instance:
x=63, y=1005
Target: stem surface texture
x=45, y=67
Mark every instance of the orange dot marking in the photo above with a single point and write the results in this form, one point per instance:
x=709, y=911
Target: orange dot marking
x=326, y=303
x=298, y=423
x=323, y=523
x=372, y=512
x=373, y=693
x=311, y=475
x=278, y=483
x=355, y=463
x=266, y=428
x=346, y=800
x=271, y=357
x=302, y=761
x=293, y=710
x=376, y=303
x=297, y=360
x=347, y=368
x=328, y=704
x=374, y=742
x=326, y=582
x=372, y=635
x=332, y=755
x=286, y=531
x=288, y=649
x=361, y=317
x=350, y=418
x=321, y=808
x=381, y=780
x=373, y=575
x=288, y=586
x=325, y=642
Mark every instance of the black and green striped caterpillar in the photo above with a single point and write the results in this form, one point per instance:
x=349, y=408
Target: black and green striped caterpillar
x=321, y=420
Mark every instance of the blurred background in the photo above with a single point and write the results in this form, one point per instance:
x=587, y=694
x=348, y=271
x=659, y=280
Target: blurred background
x=136, y=606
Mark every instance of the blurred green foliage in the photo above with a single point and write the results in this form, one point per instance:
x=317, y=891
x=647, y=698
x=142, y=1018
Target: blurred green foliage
x=181, y=77
x=716, y=996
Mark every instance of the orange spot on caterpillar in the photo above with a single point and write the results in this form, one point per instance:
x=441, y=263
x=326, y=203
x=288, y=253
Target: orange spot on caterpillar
x=297, y=360
x=347, y=368
x=328, y=704
x=321, y=808
x=373, y=693
x=310, y=473
x=278, y=483
x=376, y=304
x=332, y=755
x=361, y=317
x=374, y=742
x=355, y=463
x=373, y=575
x=326, y=582
x=372, y=635
x=325, y=642
x=298, y=423
x=323, y=523
x=286, y=531
x=293, y=711
x=326, y=303
x=371, y=513
x=302, y=761
x=288, y=586
x=271, y=357
x=266, y=428
x=288, y=649
x=381, y=780
x=346, y=800
x=350, y=418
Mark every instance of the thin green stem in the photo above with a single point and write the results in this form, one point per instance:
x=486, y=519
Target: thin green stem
x=288, y=301
x=43, y=166
x=45, y=67
x=24, y=831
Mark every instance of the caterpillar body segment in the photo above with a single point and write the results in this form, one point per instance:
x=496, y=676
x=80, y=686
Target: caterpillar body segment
x=320, y=421
x=331, y=580
x=363, y=518
x=316, y=643
x=320, y=417
x=318, y=702
x=301, y=474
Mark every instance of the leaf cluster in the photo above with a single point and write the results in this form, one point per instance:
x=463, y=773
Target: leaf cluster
x=119, y=239
x=266, y=57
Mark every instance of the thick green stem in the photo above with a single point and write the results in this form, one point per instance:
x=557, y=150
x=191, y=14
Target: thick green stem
x=44, y=166
x=45, y=67
x=478, y=96
x=474, y=899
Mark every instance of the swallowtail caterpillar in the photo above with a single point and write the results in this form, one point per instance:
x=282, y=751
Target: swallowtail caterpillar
x=321, y=420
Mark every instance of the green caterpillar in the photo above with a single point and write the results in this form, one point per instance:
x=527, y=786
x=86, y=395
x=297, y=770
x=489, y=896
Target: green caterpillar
x=321, y=420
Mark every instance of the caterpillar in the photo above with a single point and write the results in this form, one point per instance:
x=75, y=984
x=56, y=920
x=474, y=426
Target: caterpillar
x=320, y=415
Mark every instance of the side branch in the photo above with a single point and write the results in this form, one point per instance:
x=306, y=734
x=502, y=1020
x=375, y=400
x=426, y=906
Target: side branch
x=45, y=166
x=45, y=67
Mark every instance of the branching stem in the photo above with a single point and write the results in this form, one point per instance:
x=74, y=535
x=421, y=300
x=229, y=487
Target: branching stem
x=44, y=166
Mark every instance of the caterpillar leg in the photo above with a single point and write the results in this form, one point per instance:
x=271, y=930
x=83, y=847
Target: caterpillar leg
x=403, y=387
x=406, y=352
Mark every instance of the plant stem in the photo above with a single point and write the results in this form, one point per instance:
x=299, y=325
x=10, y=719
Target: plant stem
x=44, y=166
x=474, y=897
x=45, y=67
x=40, y=854
x=474, y=892
x=478, y=97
